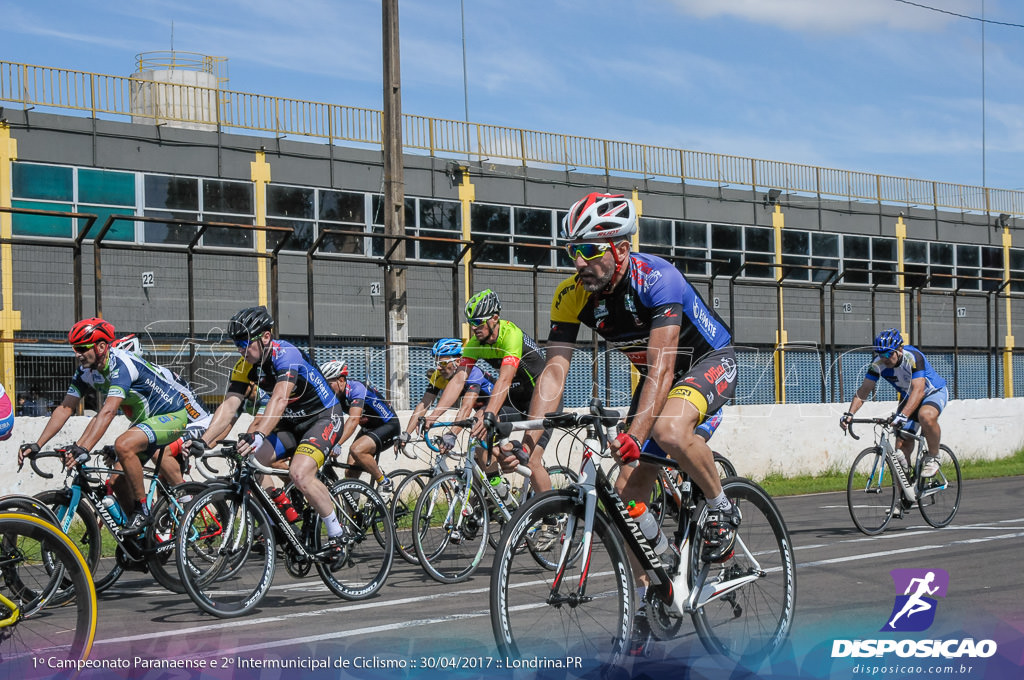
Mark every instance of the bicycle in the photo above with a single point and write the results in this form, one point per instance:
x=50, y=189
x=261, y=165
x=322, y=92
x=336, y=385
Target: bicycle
x=667, y=495
x=237, y=532
x=875, y=498
x=742, y=608
x=35, y=559
x=451, y=524
x=82, y=515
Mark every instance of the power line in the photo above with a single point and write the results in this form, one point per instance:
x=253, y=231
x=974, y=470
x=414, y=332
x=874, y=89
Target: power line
x=962, y=16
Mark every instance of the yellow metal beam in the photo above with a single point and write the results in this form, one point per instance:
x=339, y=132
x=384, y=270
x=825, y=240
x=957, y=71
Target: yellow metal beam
x=781, y=336
x=10, y=318
x=1008, y=351
x=260, y=174
x=901, y=237
x=467, y=194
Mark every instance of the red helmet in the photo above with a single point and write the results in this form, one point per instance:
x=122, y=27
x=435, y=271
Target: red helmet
x=88, y=331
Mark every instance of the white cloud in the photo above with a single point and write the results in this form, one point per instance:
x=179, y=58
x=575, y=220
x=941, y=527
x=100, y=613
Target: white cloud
x=832, y=16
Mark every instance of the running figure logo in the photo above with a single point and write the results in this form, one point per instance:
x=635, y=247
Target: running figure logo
x=914, y=609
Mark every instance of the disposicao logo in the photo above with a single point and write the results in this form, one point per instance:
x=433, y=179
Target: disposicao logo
x=914, y=610
x=915, y=605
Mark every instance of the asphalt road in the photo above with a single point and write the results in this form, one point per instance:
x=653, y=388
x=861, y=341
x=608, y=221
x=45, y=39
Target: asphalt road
x=844, y=591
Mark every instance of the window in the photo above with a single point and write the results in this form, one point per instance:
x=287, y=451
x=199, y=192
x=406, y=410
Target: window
x=104, y=187
x=692, y=245
x=43, y=182
x=915, y=263
x=883, y=259
x=824, y=256
x=1017, y=270
x=342, y=211
x=856, y=259
x=940, y=259
x=968, y=263
x=991, y=267
x=655, y=236
x=796, y=246
x=294, y=202
x=228, y=202
x=40, y=225
x=726, y=246
x=377, y=244
x=171, y=193
x=493, y=223
x=532, y=226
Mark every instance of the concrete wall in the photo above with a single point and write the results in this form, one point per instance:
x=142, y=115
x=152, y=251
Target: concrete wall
x=760, y=440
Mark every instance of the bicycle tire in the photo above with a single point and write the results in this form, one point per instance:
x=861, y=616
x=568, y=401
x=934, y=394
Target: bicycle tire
x=403, y=505
x=239, y=543
x=750, y=623
x=160, y=535
x=27, y=505
x=527, y=624
x=871, y=493
x=938, y=497
x=561, y=477
x=85, y=532
x=368, y=561
x=65, y=632
x=450, y=544
x=724, y=465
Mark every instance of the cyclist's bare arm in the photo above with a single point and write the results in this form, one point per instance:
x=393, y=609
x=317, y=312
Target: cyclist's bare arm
x=916, y=396
x=99, y=423
x=859, y=397
x=547, y=394
x=351, y=424
x=506, y=374
x=223, y=418
x=417, y=412
x=56, y=422
x=267, y=421
x=449, y=395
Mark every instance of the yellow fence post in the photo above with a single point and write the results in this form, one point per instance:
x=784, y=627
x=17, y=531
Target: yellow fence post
x=781, y=337
x=10, y=318
x=260, y=175
x=901, y=237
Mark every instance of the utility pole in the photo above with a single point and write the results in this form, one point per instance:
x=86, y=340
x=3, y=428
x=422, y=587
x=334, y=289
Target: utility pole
x=396, y=337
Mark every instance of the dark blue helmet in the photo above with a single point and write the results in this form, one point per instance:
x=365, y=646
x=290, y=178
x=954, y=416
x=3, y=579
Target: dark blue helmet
x=888, y=340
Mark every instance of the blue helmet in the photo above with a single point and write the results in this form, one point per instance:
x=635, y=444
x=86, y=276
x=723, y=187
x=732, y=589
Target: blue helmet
x=888, y=340
x=446, y=347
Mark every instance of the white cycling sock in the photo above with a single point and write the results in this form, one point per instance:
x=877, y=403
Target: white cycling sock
x=333, y=526
x=720, y=502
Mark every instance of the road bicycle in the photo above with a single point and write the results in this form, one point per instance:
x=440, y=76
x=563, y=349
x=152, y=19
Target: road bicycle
x=583, y=605
x=97, y=533
x=228, y=557
x=879, y=489
x=36, y=561
x=459, y=512
x=667, y=494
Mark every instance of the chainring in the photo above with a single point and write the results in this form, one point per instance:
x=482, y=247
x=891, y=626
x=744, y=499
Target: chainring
x=664, y=625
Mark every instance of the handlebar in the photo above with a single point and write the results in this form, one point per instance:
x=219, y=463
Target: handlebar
x=881, y=422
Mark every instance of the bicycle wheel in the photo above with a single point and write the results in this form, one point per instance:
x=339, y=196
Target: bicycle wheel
x=750, y=622
x=225, y=553
x=370, y=550
x=83, y=528
x=724, y=465
x=451, y=528
x=403, y=504
x=939, y=496
x=159, y=538
x=27, y=505
x=533, y=616
x=29, y=548
x=871, y=491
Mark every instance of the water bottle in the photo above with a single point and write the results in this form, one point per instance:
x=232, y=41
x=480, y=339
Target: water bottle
x=114, y=508
x=499, y=484
x=281, y=500
x=649, y=526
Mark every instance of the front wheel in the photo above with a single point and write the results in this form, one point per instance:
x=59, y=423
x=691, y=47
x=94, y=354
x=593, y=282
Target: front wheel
x=370, y=544
x=451, y=528
x=537, y=612
x=938, y=497
x=225, y=553
x=871, y=491
x=749, y=622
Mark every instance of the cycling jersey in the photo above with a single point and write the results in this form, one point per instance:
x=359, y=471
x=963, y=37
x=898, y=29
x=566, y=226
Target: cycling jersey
x=376, y=411
x=6, y=415
x=285, y=362
x=912, y=365
x=477, y=382
x=512, y=347
x=145, y=388
x=652, y=294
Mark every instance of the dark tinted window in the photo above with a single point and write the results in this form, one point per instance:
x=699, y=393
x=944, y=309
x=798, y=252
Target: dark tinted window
x=342, y=206
x=725, y=236
x=227, y=197
x=172, y=193
x=290, y=202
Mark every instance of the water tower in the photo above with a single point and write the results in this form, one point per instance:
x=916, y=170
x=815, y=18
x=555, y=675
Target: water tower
x=178, y=89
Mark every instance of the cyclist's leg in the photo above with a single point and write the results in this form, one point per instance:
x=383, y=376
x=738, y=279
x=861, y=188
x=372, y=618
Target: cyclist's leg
x=540, y=481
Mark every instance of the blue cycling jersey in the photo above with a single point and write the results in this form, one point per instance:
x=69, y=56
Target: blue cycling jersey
x=146, y=389
x=376, y=411
x=913, y=364
x=653, y=294
x=286, y=362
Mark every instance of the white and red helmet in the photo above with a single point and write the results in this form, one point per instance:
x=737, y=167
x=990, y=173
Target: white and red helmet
x=600, y=217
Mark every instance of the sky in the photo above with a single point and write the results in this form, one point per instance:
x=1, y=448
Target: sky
x=878, y=86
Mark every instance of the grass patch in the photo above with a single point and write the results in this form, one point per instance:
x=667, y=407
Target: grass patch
x=835, y=479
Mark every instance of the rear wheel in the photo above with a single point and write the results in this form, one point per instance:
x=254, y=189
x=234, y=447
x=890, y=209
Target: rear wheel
x=403, y=505
x=451, y=528
x=939, y=496
x=369, y=550
x=167, y=514
x=871, y=491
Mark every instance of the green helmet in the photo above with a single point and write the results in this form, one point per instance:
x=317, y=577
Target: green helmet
x=483, y=305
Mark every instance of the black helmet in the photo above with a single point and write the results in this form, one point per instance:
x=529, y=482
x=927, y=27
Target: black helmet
x=250, y=322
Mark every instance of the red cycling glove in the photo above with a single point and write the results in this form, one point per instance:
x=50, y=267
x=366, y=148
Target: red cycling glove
x=629, y=447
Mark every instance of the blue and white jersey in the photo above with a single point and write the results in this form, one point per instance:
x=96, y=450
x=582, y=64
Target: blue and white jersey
x=376, y=411
x=143, y=386
x=912, y=365
x=286, y=363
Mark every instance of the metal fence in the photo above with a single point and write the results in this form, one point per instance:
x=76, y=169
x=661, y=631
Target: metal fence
x=321, y=302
